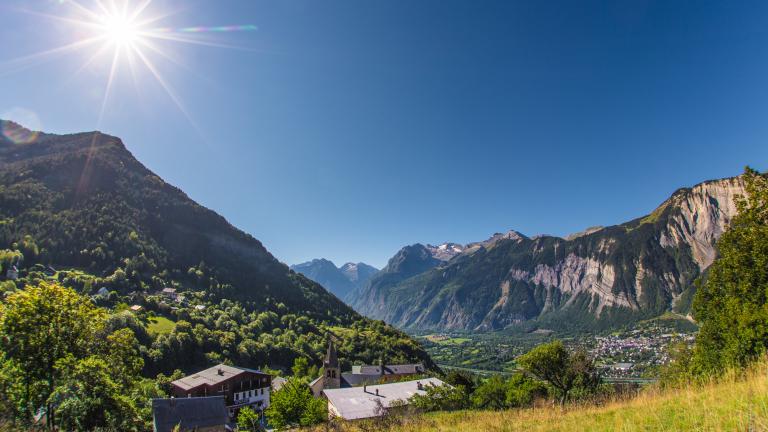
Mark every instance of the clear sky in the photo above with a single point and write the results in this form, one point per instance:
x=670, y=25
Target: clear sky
x=348, y=129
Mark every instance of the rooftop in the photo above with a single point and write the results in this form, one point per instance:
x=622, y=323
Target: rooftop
x=212, y=376
x=388, y=369
x=189, y=413
x=356, y=402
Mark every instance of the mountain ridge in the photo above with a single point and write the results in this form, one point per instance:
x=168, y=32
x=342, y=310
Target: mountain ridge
x=603, y=277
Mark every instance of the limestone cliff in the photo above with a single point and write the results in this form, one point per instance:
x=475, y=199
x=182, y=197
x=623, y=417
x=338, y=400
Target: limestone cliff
x=632, y=271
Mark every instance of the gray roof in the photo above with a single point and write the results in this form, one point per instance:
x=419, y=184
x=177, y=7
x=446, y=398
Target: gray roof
x=189, y=413
x=392, y=369
x=354, y=403
x=355, y=380
x=212, y=376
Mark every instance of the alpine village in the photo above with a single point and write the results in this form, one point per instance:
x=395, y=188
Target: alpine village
x=126, y=305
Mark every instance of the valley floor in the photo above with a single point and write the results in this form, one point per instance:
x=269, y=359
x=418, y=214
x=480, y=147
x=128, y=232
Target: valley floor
x=735, y=403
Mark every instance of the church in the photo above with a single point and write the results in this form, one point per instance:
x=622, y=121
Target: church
x=332, y=378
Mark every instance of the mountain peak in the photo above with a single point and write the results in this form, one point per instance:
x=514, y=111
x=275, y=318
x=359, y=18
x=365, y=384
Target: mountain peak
x=445, y=251
x=512, y=235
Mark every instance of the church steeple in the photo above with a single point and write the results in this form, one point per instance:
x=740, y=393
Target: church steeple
x=331, y=369
x=331, y=358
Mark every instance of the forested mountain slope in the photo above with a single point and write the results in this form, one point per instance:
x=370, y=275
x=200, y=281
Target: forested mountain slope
x=609, y=276
x=83, y=204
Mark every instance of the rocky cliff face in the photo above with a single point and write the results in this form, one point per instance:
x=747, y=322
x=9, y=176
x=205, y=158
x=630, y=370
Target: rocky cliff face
x=632, y=271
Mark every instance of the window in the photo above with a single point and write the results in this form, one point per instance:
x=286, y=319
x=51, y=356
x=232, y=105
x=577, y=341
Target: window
x=262, y=391
x=329, y=374
x=333, y=373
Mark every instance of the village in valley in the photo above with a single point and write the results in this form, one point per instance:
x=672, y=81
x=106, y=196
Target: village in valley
x=629, y=354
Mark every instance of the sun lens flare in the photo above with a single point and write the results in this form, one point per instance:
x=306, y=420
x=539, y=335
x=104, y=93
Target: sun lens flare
x=120, y=30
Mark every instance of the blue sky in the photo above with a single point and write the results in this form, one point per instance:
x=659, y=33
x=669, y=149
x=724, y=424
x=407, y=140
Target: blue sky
x=348, y=129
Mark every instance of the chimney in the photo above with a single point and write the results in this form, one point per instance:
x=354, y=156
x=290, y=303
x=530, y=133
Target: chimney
x=171, y=401
x=365, y=387
x=419, y=386
x=377, y=392
x=221, y=372
x=381, y=364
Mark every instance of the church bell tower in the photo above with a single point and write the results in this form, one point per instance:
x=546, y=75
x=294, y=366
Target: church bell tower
x=331, y=369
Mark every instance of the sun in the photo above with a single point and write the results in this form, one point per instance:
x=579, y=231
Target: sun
x=120, y=29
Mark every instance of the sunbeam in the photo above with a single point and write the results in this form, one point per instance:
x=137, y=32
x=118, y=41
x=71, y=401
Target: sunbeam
x=109, y=86
x=168, y=89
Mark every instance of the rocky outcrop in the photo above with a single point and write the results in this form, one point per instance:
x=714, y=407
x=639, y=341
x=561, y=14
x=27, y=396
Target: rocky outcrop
x=704, y=212
x=445, y=251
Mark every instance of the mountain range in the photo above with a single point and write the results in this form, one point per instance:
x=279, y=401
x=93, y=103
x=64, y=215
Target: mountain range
x=339, y=281
x=601, y=277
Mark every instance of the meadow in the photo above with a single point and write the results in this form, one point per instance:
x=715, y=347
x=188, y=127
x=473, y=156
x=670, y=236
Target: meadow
x=160, y=325
x=736, y=401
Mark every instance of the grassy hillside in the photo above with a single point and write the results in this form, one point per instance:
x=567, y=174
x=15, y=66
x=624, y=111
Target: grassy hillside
x=736, y=402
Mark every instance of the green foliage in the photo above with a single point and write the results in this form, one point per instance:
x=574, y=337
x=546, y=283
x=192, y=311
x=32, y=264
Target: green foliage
x=40, y=327
x=163, y=383
x=522, y=391
x=58, y=354
x=564, y=371
x=300, y=367
x=492, y=394
x=461, y=379
x=498, y=393
x=444, y=397
x=731, y=305
x=680, y=366
x=248, y=420
x=294, y=405
x=91, y=396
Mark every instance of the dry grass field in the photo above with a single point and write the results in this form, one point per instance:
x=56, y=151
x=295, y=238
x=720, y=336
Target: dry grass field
x=737, y=401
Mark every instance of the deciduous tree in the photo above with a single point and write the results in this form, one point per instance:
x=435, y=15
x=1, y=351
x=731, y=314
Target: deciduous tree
x=732, y=305
x=294, y=405
x=562, y=370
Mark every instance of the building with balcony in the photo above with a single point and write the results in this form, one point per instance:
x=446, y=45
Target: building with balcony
x=241, y=387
